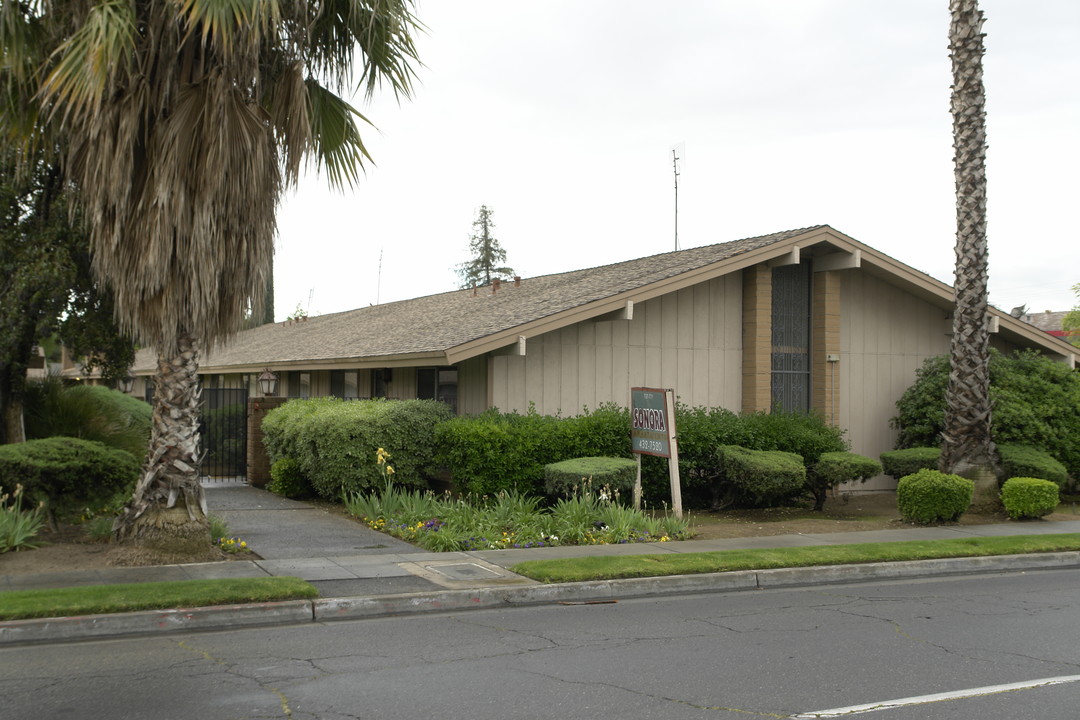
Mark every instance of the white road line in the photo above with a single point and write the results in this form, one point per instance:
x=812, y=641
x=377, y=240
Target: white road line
x=939, y=697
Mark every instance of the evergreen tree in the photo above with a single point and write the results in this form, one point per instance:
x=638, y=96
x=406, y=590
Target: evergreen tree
x=487, y=255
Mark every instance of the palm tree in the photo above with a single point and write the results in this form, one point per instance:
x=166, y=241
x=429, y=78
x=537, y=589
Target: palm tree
x=180, y=122
x=967, y=446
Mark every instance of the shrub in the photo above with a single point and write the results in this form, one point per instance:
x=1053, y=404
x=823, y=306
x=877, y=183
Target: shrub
x=617, y=473
x=834, y=468
x=761, y=476
x=506, y=452
x=1036, y=402
x=335, y=442
x=1031, y=462
x=898, y=463
x=702, y=430
x=68, y=473
x=929, y=496
x=89, y=412
x=18, y=527
x=287, y=480
x=1027, y=497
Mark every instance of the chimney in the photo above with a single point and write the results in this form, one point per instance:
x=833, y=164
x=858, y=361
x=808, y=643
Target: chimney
x=474, y=290
x=495, y=286
x=517, y=281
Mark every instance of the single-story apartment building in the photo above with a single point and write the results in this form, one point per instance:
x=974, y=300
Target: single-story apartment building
x=806, y=319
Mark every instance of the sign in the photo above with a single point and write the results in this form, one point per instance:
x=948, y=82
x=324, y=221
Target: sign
x=650, y=428
x=652, y=432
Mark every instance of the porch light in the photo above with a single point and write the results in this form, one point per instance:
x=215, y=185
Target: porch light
x=268, y=382
x=125, y=383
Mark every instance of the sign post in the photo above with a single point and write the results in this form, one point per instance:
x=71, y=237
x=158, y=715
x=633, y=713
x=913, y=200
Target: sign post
x=652, y=432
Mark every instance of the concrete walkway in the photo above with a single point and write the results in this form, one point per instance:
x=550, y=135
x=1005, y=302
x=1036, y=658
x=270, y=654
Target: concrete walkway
x=361, y=572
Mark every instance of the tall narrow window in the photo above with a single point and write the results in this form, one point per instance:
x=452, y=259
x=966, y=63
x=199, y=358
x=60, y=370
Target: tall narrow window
x=345, y=384
x=791, y=338
x=438, y=384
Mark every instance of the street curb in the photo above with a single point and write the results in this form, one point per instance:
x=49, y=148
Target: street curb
x=91, y=627
x=354, y=608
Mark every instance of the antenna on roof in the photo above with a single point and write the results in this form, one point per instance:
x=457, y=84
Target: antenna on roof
x=378, y=281
x=310, y=295
x=678, y=152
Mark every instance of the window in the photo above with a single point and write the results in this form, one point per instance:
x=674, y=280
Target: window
x=345, y=383
x=791, y=338
x=438, y=384
x=380, y=381
x=299, y=384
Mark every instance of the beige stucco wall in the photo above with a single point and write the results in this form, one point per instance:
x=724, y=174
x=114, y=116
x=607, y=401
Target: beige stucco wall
x=885, y=335
x=690, y=340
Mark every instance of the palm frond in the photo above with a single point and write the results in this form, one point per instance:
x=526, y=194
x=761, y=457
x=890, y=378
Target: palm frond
x=335, y=140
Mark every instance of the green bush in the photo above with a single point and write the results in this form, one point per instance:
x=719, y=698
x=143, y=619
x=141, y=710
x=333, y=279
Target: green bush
x=898, y=463
x=616, y=473
x=1027, y=497
x=761, y=476
x=1036, y=402
x=701, y=430
x=89, y=412
x=69, y=474
x=335, y=441
x=287, y=480
x=1031, y=462
x=506, y=452
x=834, y=468
x=929, y=496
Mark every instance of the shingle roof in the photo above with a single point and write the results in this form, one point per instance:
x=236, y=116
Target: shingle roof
x=436, y=323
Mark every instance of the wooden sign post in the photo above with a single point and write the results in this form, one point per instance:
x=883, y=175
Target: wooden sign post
x=652, y=432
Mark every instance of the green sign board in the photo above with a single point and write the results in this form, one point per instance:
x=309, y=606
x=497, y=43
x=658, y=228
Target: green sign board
x=650, y=428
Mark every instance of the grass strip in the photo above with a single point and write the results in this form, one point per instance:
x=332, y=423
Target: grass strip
x=97, y=599
x=636, y=566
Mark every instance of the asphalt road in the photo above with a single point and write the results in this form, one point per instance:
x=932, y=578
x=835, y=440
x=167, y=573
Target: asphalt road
x=771, y=653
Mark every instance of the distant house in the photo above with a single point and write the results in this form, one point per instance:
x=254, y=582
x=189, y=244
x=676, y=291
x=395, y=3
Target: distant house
x=806, y=319
x=1050, y=322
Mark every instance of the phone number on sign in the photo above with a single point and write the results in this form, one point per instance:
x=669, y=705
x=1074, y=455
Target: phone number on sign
x=650, y=445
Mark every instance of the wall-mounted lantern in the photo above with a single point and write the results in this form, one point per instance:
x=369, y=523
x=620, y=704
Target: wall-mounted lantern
x=268, y=382
x=125, y=384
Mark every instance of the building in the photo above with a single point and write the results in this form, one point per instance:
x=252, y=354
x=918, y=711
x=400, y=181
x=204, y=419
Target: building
x=807, y=319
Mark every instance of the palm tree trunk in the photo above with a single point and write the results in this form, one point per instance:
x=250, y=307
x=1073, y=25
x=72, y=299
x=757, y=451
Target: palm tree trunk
x=167, y=512
x=968, y=448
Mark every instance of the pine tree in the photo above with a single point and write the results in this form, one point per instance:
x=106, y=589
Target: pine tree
x=487, y=255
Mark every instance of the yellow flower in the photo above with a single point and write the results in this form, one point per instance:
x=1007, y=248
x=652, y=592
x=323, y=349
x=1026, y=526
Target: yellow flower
x=243, y=543
x=389, y=470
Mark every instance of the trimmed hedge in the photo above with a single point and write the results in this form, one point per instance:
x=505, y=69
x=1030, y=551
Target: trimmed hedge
x=1031, y=462
x=617, y=473
x=1028, y=497
x=929, y=496
x=761, y=475
x=898, y=463
x=68, y=473
x=335, y=441
x=494, y=452
x=834, y=468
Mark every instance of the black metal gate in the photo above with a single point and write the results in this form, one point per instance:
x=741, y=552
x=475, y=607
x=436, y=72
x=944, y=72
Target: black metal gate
x=223, y=427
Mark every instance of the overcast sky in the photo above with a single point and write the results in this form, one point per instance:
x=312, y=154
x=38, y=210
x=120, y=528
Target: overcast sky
x=561, y=117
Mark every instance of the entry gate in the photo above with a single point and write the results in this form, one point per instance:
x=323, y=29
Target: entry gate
x=223, y=427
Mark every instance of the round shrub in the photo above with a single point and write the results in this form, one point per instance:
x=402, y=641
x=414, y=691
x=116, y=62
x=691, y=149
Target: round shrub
x=1025, y=497
x=618, y=474
x=89, y=412
x=287, y=479
x=930, y=496
x=68, y=473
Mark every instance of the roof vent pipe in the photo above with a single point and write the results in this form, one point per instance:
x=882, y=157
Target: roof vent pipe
x=517, y=281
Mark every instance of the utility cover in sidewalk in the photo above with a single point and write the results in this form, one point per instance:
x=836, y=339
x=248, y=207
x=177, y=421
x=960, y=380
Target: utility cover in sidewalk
x=463, y=571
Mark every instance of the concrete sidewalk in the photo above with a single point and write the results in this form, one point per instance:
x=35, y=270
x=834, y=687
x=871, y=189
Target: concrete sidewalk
x=360, y=572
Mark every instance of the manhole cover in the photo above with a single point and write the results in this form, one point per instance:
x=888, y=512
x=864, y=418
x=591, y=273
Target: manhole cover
x=464, y=571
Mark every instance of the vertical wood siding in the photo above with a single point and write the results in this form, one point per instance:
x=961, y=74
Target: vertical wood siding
x=690, y=340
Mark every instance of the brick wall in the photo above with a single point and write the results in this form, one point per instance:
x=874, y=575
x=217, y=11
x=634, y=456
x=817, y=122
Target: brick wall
x=757, y=339
x=258, y=464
